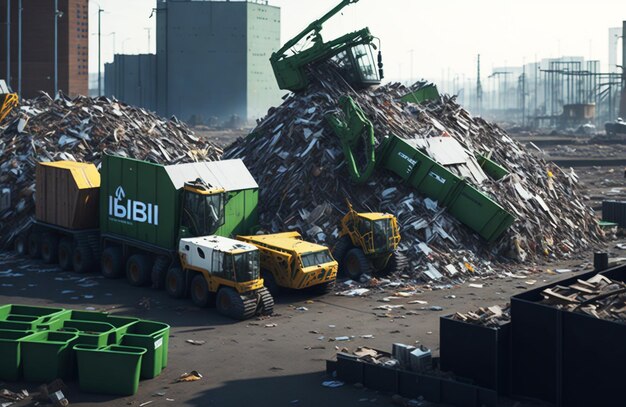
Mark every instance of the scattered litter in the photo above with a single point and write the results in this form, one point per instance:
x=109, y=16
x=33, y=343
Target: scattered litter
x=473, y=285
x=189, y=377
x=195, y=342
x=332, y=383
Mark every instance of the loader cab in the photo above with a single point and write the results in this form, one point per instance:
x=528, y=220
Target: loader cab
x=378, y=232
x=358, y=66
x=202, y=209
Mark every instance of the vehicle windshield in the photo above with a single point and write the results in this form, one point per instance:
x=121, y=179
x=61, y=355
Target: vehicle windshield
x=316, y=258
x=382, y=233
x=247, y=266
x=365, y=62
x=203, y=214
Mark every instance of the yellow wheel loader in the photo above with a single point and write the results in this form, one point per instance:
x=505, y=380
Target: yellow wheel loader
x=368, y=243
x=8, y=100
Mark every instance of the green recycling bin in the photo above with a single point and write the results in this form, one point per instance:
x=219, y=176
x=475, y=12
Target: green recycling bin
x=26, y=317
x=10, y=353
x=99, y=334
x=47, y=355
x=121, y=324
x=111, y=370
x=154, y=337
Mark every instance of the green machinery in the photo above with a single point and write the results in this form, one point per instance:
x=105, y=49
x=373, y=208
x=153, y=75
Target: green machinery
x=352, y=53
x=470, y=206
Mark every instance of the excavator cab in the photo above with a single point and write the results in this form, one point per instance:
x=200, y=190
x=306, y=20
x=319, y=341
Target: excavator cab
x=352, y=54
x=203, y=209
x=8, y=100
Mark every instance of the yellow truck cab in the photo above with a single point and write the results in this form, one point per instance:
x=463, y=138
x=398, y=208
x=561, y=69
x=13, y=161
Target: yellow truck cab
x=287, y=261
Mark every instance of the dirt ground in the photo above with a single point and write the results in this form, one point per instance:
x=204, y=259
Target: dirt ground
x=278, y=361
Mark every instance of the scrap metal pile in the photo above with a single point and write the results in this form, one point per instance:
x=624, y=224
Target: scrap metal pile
x=494, y=316
x=82, y=129
x=598, y=296
x=299, y=164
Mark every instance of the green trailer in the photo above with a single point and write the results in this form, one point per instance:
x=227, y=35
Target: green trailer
x=470, y=206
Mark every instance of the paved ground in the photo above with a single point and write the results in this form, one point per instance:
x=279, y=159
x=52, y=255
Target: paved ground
x=248, y=363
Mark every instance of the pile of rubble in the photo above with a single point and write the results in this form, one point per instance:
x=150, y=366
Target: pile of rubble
x=82, y=129
x=299, y=164
x=598, y=296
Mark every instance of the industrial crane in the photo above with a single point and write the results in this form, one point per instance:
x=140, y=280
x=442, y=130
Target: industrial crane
x=352, y=53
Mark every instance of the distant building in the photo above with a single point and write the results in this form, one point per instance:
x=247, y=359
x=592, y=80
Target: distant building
x=38, y=46
x=213, y=59
x=132, y=79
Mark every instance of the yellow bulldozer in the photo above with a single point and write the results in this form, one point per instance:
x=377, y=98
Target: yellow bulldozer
x=8, y=100
x=368, y=243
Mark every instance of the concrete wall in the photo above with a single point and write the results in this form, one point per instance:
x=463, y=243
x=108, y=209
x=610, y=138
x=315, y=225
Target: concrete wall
x=132, y=79
x=212, y=59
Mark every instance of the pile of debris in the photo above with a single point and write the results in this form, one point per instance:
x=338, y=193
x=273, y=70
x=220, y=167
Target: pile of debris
x=82, y=129
x=598, y=296
x=493, y=317
x=299, y=164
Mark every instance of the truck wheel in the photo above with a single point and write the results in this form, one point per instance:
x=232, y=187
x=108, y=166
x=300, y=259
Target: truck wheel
x=397, y=263
x=159, y=271
x=175, y=283
x=267, y=302
x=34, y=245
x=270, y=282
x=82, y=259
x=229, y=303
x=64, y=254
x=49, y=248
x=21, y=244
x=341, y=248
x=112, y=262
x=139, y=270
x=355, y=264
x=200, y=294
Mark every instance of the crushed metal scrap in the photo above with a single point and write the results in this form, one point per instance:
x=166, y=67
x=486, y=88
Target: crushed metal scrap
x=297, y=159
x=493, y=316
x=82, y=129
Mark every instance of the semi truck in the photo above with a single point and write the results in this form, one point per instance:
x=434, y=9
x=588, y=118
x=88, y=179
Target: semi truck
x=164, y=225
x=287, y=261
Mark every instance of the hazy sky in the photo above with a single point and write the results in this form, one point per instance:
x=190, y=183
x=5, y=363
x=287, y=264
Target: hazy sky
x=443, y=34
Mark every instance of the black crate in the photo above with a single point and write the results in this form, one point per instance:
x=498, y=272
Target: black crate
x=564, y=358
x=614, y=211
x=478, y=353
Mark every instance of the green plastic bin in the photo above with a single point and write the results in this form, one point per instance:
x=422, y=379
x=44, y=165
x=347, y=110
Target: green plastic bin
x=121, y=324
x=10, y=353
x=47, y=355
x=99, y=334
x=154, y=337
x=26, y=317
x=112, y=370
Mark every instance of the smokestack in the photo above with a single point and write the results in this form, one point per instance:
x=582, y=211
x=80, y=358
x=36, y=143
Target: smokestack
x=622, y=108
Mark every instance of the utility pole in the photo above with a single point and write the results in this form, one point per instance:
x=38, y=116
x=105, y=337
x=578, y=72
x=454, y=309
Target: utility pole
x=479, y=89
x=56, y=47
x=99, y=51
x=9, y=42
x=622, y=109
x=411, y=51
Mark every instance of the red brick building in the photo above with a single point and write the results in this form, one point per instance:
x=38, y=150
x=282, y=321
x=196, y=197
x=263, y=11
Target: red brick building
x=38, y=46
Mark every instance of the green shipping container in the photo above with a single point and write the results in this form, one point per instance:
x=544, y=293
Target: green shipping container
x=142, y=201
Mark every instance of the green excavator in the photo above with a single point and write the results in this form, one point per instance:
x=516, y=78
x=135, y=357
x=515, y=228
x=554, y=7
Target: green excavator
x=352, y=54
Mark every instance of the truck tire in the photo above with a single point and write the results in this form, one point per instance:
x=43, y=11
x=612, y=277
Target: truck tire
x=175, y=282
x=49, y=248
x=159, y=271
x=397, y=263
x=112, y=262
x=200, y=295
x=270, y=282
x=64, y=254
x=139, y=270
x=83, y=260
x=341, y=248
x=21, y=244
x=267, y=302
x=230, y=304
x=34, y=245
x=355, y=264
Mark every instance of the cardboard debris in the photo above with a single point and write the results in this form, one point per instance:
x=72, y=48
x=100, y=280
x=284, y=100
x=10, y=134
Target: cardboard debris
x=82, y=129
x=299, y=164
x=493, y=316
